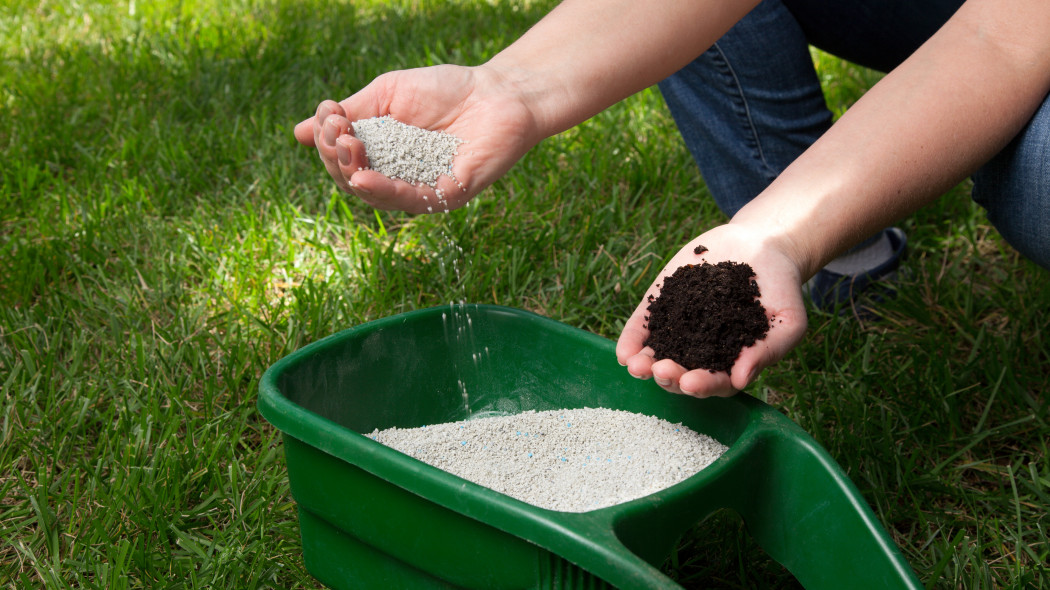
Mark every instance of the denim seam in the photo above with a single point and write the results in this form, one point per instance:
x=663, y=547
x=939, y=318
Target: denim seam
x=743, y=101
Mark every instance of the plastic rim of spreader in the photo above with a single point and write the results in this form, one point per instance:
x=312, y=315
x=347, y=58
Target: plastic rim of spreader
x=372, y=515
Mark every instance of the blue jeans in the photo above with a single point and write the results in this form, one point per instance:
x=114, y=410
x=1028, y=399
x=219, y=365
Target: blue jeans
x=752, y=103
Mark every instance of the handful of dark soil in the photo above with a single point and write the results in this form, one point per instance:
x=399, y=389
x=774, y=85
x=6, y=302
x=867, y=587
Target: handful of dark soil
x=705, y=315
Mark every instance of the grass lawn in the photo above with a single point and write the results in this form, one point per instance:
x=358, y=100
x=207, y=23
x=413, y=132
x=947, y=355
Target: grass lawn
x=163, y=240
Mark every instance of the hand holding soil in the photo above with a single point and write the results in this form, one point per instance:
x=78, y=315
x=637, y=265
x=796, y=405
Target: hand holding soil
x=706, y=314
x=495, y=127
x=776, y=278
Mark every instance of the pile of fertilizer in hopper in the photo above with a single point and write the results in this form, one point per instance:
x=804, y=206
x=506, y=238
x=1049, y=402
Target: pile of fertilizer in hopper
x=566, y=460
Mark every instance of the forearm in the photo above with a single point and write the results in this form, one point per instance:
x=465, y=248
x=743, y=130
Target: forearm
x=588, y=54
x=922, y=129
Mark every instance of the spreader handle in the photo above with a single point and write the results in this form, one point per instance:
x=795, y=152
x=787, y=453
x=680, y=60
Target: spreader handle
x=803, y=510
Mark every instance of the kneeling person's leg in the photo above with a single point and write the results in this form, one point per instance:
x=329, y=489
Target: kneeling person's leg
x=1014, y=188
x=750, y=105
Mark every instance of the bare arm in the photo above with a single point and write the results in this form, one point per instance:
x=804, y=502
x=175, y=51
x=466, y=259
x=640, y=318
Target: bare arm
x=586, y=56
x=581, y=58
x=926, y=126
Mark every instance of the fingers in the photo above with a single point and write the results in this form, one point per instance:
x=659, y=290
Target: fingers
x=333, y=127
x=671, y=376
x=784, y=334
x=675, y=378
x=343, y=155
x=350, y=155
x=640, y=361
x=304, y=132
x=631, y=350
x=640, y=365
x=307, y=131
x=632, y=338
x=697, y=383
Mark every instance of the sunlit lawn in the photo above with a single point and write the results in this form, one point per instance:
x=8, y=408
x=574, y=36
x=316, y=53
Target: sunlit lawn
x=163, y=240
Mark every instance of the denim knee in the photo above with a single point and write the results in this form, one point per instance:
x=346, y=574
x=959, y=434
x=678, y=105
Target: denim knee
x=750, y=105
x=1014, y=189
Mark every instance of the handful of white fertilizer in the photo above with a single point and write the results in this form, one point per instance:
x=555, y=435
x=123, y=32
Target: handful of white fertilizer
x=566, y=460
x=397, y=150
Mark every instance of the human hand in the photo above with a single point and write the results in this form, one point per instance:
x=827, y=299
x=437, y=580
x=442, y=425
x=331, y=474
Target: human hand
x=473, y=104
x=779, y=282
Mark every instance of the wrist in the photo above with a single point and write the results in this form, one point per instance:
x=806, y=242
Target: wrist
x=545, y=94
x=816, y=209
x=773, y=234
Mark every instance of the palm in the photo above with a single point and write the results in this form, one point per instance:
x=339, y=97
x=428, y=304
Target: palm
x=496, y=130
x=781, y=296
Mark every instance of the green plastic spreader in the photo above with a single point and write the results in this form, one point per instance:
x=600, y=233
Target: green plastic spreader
x=372, y=517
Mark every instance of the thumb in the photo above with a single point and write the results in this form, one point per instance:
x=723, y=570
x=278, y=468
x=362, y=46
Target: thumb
x=304, y=132
x=786, y=330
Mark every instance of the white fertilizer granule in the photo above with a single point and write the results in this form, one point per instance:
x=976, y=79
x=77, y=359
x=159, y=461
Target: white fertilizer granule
x=397, y=150
x=566, y=460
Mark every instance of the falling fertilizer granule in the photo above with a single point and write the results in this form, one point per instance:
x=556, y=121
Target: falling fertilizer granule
x=567, y=460
x=397, y=150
